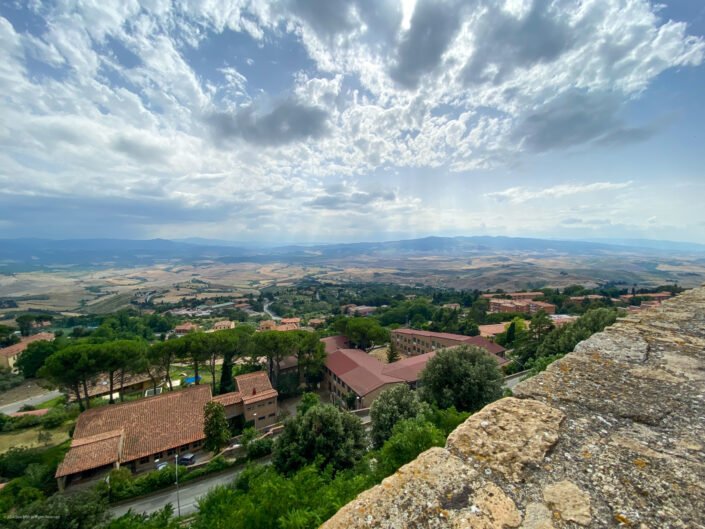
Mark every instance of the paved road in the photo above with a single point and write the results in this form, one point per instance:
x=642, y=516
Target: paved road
x=189, y=493
x=37, y=399
x=511, y=381
x=271, y=314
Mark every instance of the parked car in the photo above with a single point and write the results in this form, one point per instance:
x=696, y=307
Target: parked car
x=187, y=459
x=160, y=464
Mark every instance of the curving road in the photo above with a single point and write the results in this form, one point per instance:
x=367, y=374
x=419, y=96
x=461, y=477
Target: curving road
x=33, y=401
x=270, y=313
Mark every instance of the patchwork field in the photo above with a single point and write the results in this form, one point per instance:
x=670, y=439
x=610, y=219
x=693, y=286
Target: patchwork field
x=98, y=291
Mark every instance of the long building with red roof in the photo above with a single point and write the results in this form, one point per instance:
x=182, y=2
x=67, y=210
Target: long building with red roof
x=354, y=374
x=136, y=434
x=413, y=342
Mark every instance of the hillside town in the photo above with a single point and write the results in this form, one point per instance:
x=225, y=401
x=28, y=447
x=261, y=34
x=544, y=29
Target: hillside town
x=155, y=387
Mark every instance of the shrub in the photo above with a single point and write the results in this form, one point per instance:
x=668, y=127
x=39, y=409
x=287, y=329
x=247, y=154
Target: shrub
x=54, y=418
x=260, y=448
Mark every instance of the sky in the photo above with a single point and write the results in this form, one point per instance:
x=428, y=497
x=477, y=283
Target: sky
x=352, y=120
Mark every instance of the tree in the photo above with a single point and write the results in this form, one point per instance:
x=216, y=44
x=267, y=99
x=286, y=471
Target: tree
x=409, y=438
x=44, y=437
x=70, y=368
x=195, y=347
x=364, y=333
x=123, y=357
x=7, y=336
x=161, y=519
x=81, y=510
x=32, y=359
x=274, y=346
x=392, y=353
x=541, y=325
x=323, y=435
x=466, y=377
x=311, y=357
x=393, y=405
x=215, y=427
x=308, y=400
x=239, y=345
x=160, y=357
x=25, y=322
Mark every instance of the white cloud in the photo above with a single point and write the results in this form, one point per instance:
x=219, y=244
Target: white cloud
x=89, y=125
x=518, y=195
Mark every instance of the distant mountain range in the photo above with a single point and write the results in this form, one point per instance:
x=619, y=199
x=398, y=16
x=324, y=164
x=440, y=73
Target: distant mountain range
x=22, y=254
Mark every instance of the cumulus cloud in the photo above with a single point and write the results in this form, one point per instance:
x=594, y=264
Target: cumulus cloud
x=128, y=100
x=518, y=195
x=288, y=121
x=433, y=26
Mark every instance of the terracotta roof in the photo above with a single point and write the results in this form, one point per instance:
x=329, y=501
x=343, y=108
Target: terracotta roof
x=224, y=324
x=291, y=320
x=150, y=425
x=228, y=399
x=408, y=369
x=252, y=383
x=333, y=343
x=287, y=327
x=188, y=326
x=17, y=348
x=360, y=371
x=263, y=395
x=92, y=452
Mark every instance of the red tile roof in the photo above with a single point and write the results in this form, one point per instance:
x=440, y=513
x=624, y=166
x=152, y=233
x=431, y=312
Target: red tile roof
x=228, y=399
x=92, y=452
x=360, y=371
x=12, y=350
x=253, y=383
x=149, y=425
x=287, y=327
x=263, y=395
x=408, y=369
x=333, y=343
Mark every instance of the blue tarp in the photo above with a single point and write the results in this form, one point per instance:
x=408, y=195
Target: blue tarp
x=192, y=380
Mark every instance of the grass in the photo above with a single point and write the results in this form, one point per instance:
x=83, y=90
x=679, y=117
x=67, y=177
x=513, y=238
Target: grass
x=52, y=403
x=29, y=436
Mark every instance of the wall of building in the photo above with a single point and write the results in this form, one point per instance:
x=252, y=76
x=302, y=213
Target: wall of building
x=416, y=345
x=263, y=413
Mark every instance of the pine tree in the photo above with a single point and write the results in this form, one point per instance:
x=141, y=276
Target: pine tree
x=215, y=427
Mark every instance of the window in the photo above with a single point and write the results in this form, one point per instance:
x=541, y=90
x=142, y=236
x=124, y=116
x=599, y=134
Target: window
x=170, y=452
x=271, y=415
x=261, y=418
x=158, y=455
x=144, y=460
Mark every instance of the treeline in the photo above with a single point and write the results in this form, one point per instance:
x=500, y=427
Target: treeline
x=75, y=365
x=537, y=345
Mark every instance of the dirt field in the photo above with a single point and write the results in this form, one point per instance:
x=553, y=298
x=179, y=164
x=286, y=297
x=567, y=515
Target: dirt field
x=29, y=388
x=102, y=291
x=29, y=438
